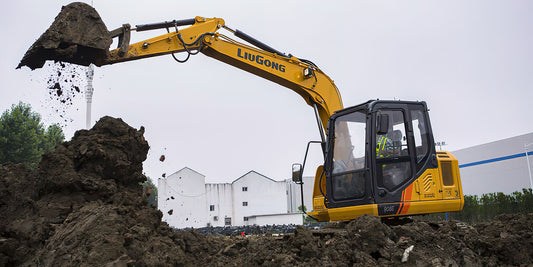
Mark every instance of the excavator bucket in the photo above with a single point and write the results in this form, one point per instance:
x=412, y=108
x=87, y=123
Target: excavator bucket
x=78, y=35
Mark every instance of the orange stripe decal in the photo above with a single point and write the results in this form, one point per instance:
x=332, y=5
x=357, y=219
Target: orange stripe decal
x=400, y=209
x=406, y=207
x=406, y=196
x=408, y=193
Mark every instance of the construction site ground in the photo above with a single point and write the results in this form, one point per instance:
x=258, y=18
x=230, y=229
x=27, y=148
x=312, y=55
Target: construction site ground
x=84, y=206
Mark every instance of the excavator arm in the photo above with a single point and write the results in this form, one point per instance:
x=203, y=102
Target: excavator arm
x=202, y=35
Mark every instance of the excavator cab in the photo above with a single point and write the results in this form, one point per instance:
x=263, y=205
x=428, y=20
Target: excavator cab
x=381, y=159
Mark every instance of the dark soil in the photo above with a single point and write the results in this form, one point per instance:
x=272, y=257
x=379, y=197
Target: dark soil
x=78, y=35
x=84, y=206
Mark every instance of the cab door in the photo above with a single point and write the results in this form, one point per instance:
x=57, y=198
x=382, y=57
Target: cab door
x=347, y=167
x=404, y=152
x=392, y=156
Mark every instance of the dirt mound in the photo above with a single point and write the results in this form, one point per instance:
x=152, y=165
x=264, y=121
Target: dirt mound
x=83, y=206
x=78, y=35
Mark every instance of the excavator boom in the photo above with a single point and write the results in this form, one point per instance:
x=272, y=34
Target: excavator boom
x=202, y=35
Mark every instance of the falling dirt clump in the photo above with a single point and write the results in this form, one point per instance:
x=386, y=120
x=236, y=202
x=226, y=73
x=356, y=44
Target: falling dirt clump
x=78, y=35
x=84, y=206
x=63, y=83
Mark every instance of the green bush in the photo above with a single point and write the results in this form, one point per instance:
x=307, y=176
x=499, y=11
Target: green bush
x=486, y=207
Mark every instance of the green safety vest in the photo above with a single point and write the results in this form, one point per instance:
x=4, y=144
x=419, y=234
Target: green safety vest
x=381, y=145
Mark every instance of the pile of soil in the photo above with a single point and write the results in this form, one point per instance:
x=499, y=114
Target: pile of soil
x=78, y=35
x=84, y=205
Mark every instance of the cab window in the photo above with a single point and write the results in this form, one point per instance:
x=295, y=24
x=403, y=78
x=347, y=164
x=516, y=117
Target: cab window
x=393, y=166
x=421, y=136
x=349, y=156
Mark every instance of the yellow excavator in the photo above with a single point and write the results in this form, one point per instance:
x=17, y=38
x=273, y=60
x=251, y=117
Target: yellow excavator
x=379, y=156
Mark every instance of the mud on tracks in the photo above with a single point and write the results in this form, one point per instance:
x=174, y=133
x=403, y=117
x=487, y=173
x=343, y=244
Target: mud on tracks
x=84, y=206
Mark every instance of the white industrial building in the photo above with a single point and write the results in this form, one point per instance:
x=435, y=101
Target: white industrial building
x=253, y=199
x=500, y=166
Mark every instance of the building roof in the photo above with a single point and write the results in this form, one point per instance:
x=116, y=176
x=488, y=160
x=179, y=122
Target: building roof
x=255, y=173
x=525, y=138
x=186, y=168
x=252, y=171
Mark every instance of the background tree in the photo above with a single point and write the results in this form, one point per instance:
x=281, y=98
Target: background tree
x=23, y=137
x=52, y=136
x=489, y=205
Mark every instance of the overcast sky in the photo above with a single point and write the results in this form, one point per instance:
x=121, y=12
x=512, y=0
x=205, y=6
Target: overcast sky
x=471, y=61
